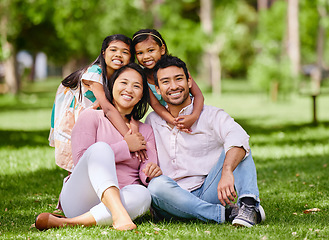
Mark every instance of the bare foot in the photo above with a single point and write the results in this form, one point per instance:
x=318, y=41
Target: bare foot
x=126, y=227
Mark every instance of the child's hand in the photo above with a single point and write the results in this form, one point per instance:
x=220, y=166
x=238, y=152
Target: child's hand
x=134, y=126
x=141, y=155
x=184, y=123
x=152, y=170
x=135, y=141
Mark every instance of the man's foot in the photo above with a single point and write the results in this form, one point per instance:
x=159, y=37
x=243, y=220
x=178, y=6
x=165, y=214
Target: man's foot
x=249, y=215
x=231, y=212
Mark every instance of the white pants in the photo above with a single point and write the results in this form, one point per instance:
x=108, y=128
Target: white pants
x=94, y=173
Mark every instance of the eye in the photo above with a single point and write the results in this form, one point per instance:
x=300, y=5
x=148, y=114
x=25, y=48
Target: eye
x=137, y=86
x=126, y=52
x=138, y=53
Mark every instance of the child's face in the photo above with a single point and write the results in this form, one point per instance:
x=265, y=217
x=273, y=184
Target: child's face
x=148, y=52
x=117, y=54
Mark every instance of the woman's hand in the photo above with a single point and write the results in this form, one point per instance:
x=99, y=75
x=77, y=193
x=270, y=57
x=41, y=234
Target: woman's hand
x=152, y=170
x=135, y=141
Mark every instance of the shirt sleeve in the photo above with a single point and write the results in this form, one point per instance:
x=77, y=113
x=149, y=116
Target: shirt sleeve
x=94, y=74
x=121, y=151
x=83, y=133
x=230, y=133
x=150, y=150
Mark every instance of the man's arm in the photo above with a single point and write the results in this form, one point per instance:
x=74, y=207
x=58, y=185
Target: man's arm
x=225, y=188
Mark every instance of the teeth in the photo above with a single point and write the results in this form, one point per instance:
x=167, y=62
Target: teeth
x=126, y=97
x=175, y=94
x=148, y=63
x=117, y=62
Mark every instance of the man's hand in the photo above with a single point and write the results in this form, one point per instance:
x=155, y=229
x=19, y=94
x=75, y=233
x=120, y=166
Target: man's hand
x=225, y=188
x=152, y=170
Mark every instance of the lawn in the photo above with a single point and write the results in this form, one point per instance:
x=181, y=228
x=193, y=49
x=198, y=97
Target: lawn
x=291, y=155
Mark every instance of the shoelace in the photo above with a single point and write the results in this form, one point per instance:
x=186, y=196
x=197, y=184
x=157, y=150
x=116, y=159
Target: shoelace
x=248, y=212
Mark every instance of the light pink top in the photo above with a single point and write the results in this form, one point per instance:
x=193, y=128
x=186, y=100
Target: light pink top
x=92, y=126
x=187, y=158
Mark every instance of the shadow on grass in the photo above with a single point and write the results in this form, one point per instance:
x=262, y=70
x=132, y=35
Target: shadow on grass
x=20, y=138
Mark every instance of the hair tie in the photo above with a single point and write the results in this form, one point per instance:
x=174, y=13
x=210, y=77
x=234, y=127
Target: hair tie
x=150, y=34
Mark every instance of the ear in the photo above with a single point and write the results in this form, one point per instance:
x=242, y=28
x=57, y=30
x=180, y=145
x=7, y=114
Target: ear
x=189, y=82
x=163, y=50
x=157, y=89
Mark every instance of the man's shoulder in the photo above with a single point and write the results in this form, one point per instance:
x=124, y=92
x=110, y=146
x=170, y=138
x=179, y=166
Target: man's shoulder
x=152, y=117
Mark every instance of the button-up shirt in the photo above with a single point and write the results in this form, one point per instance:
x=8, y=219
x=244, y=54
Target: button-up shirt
x=187, y=158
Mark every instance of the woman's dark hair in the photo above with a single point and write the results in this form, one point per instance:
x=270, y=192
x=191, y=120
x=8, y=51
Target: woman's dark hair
x=73, y=80
x=144, y=34
x=140, y=109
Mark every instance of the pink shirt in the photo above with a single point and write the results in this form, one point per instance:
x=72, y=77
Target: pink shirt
x=188, y=158
x=92, y=126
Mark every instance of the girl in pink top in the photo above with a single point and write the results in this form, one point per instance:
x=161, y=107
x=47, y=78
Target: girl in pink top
x=105, y=187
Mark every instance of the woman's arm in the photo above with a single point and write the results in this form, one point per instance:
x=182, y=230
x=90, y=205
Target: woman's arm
x=160, y=110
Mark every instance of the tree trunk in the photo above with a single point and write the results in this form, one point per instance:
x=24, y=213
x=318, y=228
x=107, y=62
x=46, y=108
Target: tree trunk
x=10, y=67
x=211, y=61
x=10, y=64
x=293, y=37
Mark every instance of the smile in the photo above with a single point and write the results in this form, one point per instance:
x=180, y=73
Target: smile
x=117, y=62
x=127, y=97
x=148, y=63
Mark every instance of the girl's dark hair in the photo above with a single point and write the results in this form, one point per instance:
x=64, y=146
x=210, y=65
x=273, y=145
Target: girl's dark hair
x=144, y=34
x=140, y=109
x=73, y=80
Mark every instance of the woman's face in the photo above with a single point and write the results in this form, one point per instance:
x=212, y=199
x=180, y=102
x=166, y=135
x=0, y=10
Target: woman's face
x=116, y=55
x=127, y=90
x=148, y=52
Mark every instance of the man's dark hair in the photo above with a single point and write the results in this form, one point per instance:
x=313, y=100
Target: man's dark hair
x=168, y=61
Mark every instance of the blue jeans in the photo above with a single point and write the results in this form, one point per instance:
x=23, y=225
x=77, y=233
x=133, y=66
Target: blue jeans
x=169, y=200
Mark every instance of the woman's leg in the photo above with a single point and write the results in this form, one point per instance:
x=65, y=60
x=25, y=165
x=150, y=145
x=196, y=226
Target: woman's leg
x=92, y=181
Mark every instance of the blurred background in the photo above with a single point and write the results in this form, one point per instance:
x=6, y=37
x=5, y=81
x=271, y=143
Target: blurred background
x=277, y=47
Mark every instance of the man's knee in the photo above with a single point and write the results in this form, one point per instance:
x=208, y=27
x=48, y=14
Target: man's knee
x=159, y=185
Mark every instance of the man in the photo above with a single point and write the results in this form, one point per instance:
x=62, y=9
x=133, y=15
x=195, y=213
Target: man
x=205, y=170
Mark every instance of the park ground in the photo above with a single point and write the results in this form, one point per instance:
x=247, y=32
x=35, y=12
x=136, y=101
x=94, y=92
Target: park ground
x=291, y=155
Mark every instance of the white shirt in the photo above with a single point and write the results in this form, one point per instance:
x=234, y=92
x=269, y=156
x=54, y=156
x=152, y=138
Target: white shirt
x=188, y=158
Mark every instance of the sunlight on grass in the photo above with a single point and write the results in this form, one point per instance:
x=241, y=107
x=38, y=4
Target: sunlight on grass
x=291, y=155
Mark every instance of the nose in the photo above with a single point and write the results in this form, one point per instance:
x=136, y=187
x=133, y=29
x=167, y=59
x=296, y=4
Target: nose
x=173, y=85
x=129, y=88
x=118, y=54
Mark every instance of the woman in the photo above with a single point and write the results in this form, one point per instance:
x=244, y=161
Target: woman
x=105, y=185
x=83, y=89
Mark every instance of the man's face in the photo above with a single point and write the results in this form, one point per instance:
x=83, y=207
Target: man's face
x=173, y=85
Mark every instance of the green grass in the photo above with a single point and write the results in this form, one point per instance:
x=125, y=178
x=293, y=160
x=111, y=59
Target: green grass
x=291, y=156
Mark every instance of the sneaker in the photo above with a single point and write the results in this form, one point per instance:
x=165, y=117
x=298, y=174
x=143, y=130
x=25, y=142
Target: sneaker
x=231, y=212
x=249, y=215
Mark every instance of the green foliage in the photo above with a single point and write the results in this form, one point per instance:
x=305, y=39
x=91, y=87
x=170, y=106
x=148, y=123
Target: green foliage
x=271, y=66
x=234, y=23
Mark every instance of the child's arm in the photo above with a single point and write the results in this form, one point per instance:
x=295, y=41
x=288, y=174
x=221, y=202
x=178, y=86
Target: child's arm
x=109, y=110
x=113, y=115
x=160, y=110
x=184, y=123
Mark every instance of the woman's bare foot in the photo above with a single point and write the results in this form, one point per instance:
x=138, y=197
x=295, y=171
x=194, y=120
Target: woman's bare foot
x=126, y=227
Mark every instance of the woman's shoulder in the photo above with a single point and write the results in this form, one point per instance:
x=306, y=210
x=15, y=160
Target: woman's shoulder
x=92, y=114
x=145, y=128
